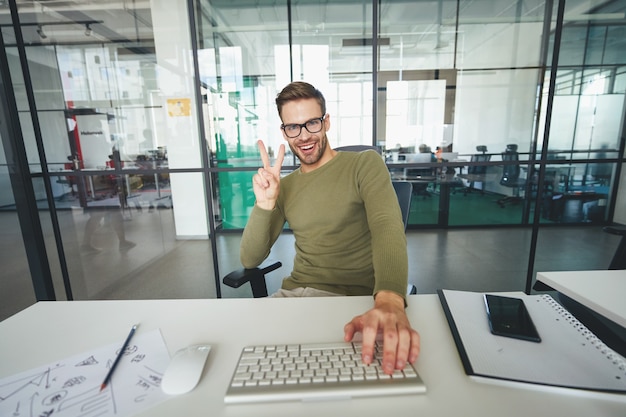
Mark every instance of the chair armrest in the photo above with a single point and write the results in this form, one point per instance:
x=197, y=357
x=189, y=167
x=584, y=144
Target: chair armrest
x=255, y=276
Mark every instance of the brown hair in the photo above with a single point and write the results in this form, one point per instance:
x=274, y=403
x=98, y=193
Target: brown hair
x=299, y=90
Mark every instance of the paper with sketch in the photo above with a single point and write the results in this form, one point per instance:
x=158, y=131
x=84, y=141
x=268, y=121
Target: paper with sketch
x=71, y=387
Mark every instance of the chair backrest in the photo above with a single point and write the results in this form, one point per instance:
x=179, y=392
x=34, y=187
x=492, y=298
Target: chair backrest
x=404, y=192
x=479, y=169
x=404, y=189
x=510, y=173
x=358, y=148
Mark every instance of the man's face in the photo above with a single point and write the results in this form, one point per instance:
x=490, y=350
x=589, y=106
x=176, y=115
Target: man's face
x=310, y=148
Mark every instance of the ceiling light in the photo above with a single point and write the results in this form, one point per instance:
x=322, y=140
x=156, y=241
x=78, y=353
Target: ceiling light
x=87, y=30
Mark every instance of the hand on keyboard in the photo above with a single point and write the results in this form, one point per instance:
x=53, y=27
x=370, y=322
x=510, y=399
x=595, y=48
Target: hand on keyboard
x=401, y=342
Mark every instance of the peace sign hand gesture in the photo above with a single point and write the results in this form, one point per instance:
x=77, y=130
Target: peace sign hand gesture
x=266, y=182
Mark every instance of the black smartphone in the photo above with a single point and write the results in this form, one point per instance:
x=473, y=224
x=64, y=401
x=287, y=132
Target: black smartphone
x=509, y=317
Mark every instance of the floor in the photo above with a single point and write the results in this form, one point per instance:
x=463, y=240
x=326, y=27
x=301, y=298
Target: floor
x=487, y=259
x=478, y=260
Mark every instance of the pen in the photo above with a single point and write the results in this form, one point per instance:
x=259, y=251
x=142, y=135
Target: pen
x=119, y=356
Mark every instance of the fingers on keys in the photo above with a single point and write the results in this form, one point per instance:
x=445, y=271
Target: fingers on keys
x=400, y=344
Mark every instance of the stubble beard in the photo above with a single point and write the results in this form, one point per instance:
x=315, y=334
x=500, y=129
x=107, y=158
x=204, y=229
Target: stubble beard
x=311, y=159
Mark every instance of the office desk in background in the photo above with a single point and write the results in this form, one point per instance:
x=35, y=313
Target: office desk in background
x=48, y=331
x=430, y=181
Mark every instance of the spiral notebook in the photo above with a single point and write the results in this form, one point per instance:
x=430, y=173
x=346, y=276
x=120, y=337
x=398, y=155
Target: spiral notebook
x=569, y=355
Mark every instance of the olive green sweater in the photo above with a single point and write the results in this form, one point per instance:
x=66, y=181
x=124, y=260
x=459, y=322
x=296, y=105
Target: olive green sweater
x=349, y=235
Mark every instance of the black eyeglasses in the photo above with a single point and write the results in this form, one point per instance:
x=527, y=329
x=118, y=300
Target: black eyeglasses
x=293, y=130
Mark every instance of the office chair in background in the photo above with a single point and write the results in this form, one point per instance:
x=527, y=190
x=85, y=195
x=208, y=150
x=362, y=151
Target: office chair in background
x=422, y=175
x=256, y=276
x=599, y=173
x=477, y=173
x=511, y=176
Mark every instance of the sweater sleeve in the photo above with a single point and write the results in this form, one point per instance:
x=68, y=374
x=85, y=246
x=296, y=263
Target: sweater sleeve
x=389, y=249
x=260, y=233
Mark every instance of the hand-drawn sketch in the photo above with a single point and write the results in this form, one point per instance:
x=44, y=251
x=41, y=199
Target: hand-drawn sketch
x=71, y=387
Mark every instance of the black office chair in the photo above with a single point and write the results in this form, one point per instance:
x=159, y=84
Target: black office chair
x=477, y=173
x=511, y=176
x=358, y=148
x=599, y=173
x=426, y=175
x=256, y=276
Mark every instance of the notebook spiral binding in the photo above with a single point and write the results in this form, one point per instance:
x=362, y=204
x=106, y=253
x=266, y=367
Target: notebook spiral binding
x=609, y=353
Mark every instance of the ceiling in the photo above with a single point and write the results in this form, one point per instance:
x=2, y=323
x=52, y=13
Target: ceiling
x=415, y=27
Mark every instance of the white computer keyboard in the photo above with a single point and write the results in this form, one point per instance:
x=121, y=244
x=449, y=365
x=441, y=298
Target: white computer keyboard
x=315, y=372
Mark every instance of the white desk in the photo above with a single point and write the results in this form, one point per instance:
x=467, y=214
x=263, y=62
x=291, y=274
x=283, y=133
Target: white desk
x=601, y=291
x=49, y=331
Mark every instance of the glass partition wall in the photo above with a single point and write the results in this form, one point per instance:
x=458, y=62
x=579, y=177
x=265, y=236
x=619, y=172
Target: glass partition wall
x=16, y=289
x=586, y=129
x=141, y=121
x=106, y=102
x=466, y=81
x=246, y=54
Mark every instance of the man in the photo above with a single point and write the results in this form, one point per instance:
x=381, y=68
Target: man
x=347, y=225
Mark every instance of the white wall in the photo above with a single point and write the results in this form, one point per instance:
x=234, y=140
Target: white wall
x=494, y=108
x=172, y=38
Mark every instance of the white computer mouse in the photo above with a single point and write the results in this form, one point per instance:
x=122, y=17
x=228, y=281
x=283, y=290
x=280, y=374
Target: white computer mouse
x=185, y=369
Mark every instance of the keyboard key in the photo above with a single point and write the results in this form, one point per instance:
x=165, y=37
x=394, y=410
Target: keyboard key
x=327, y=346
